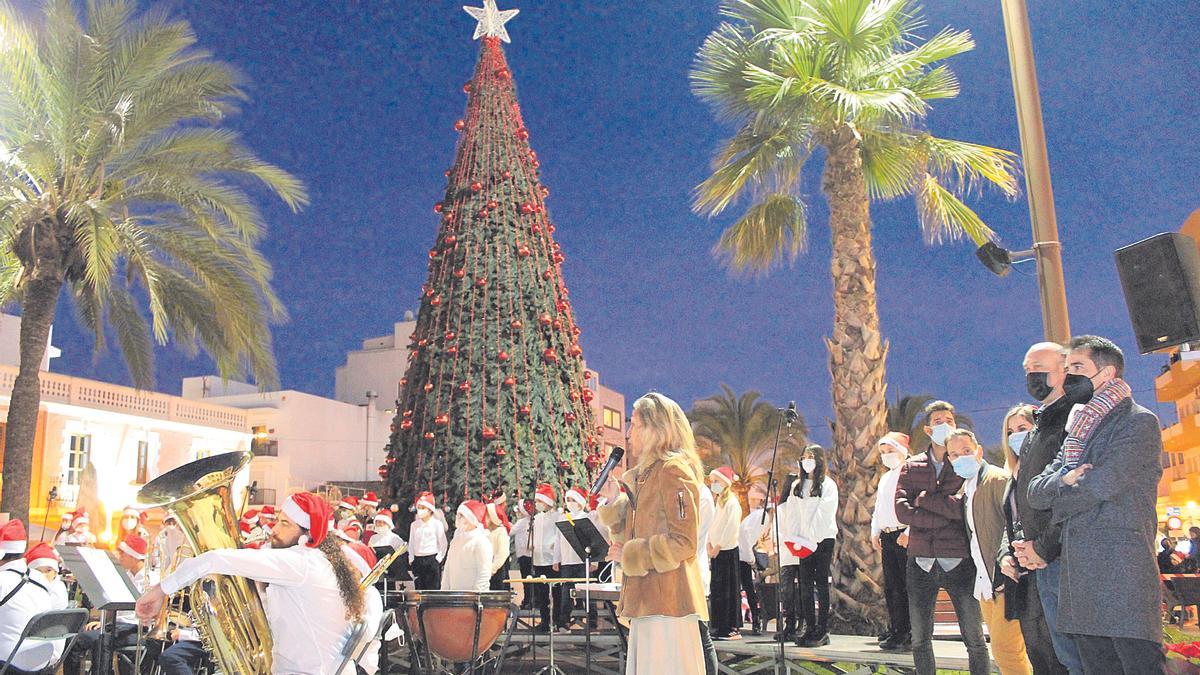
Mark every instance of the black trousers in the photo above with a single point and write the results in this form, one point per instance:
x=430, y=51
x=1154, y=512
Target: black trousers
x=563, y=604
x=789, y=592
x=1039, y=645
x=541, y=592
x=88, y=642
x=725, y=593
x=497, y=581
x=182, y=658
x=746, y=576
x=1109, y=656
x=959, y=583
x=427, y=573
x=895, y=586
x=709, y=649
x=525, y=564
x=814, y=585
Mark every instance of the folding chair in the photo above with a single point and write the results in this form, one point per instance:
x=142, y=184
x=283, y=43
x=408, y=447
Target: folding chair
x=349, y=650
x=63, y=624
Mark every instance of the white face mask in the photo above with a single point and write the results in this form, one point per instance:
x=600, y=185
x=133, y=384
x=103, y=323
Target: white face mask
x=424, y=514
x=892, y=459
x=380, y=528
x=718, y=488
x=809, y=465
x=940, y=433
x=574, y=506
x=129, y=523
x=543, y=507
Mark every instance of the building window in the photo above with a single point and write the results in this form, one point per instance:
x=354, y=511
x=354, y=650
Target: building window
x=79, y=455
x=612, y=419
x=264, y=496
x=203, y=452
x=143, y=462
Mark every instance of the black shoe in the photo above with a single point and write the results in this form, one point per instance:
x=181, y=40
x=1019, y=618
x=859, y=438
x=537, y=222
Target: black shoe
x=788, y=632
x=542, y=628
x=897, y=643
x=818, y=638
x=884, y=637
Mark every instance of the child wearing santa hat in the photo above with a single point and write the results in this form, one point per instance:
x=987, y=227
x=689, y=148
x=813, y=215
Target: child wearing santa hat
x=368, y=506
x=43, y=560
x=498, y=531
x=81, y=530
x=522, y=546
x=26, y=597
x=568, y=563
x=469, y=559
x=545, y=550
x=426, y=545
x=889, y=536
x=133, y=521
x=64, y=528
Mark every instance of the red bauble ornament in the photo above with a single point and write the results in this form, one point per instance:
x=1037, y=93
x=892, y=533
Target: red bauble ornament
x=592, y=461
x=460, y=125
x=460, y=273
x=545, y=192
x=557, y=324
x=428, y=387
x=503, y=73
x=435, y=300
x=516, y=325
x=382, y=471
x=452, y=350
x=450, y=240
x=502, y=356
x=574, y=396
x=527, y=209
x=548, y=275
x=523, y=134
x=442, y=420
x=429, y=435
x=550, y=228
x=482, y=213
x=536, y=164
x=525, y=410
x=437, y=208
x=392, y=428
x=404, y=381
x=406, y=425
x=464, y=387
x=592, y=442
x=422, y=343
x=587, y=374
x=450, y=335
x=500, y=452
x=575, y=350
x=432, y=253
x=550, y=355
x=570, y=418
x=476, y=186
x=506, y=175
x=545, y=319
x=488, y=433
x=575, y=330
x=560, y=306
x=481, y=282
x=523, y=251
x=564, y=466
x=493, y=204
x=535, y=228
x=588, y=395
x=558, y=258
x=510, y=381
x=408, y=413
x=446, y=173
x=467, y=88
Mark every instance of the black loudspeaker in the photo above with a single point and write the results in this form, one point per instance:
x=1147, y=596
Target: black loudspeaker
x=1161, y=280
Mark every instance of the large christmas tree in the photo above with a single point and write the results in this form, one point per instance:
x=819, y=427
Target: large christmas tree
x=495, y=396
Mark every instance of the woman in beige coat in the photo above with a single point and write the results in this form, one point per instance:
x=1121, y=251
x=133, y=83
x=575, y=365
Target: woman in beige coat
x=654, y=526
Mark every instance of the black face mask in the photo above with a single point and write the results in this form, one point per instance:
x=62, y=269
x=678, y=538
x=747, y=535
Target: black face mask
x=1035, y=384
x=1078, y=388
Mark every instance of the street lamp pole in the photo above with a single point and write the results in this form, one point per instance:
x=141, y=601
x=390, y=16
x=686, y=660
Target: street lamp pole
x=1046, y=245
x=371, y=396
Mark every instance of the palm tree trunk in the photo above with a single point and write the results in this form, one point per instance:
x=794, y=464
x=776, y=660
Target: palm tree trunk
x=857, y=355
x=37, y=315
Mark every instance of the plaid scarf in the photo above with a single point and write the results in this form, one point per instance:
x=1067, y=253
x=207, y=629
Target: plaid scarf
x=1087, y=417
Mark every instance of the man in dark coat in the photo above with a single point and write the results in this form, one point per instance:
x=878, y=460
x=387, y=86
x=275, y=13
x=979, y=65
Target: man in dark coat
x=1103, y=488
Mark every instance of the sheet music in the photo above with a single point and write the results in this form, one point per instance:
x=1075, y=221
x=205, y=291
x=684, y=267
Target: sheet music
x=115, y=588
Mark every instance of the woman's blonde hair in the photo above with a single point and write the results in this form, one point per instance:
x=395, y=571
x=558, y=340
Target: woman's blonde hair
x=665, y=431
x=1023, y=410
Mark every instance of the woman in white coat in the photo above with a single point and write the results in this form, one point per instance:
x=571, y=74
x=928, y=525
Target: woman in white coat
x=812, y=511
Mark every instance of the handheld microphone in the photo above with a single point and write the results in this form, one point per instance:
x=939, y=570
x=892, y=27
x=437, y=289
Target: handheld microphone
x=791, y=415
x=613, y=458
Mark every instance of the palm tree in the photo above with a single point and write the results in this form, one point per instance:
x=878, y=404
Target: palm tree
x=851, y=79
x=739, y=431
x=118, y=183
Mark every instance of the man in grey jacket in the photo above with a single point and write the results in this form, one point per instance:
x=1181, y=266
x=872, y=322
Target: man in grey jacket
x=1102, y=489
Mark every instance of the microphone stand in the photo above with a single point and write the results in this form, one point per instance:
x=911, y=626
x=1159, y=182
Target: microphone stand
x=780, y=662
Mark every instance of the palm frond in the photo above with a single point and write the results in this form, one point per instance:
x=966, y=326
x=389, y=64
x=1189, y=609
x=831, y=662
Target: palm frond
x=772, y=231
x=944, y=217
x=753, y=161
x=964, y=166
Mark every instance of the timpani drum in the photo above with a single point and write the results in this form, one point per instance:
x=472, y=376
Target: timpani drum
x=458, y=626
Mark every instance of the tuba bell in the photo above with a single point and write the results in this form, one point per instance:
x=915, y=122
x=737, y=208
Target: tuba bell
x=225, y=610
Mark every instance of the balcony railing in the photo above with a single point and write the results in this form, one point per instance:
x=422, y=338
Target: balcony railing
x=116, y=398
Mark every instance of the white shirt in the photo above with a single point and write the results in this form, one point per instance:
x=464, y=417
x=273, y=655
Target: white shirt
x=469, y=562
x=884, y=515
x=304, y=607
x=427, y=537
x=81, y=538
x=522, y=542
x=372, y=616
x=388, y=538
x=728, y=516
x=498, y=537
x=706, y=513
x=141, y=581
x=983, y=583
x=814, y=518
x=30, y=601
x=748, y=533
x=545, y=539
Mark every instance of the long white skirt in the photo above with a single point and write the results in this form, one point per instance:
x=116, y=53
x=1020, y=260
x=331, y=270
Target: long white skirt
x=665, y=644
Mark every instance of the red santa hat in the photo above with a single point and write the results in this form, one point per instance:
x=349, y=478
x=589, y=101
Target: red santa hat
x=528, y=506
x=12, y=538
x=349, y=503
x=134, y=512
x=545, y=494
x=495, y=510
x=67, y=518
x=250, y=516
x=724, y=474
x=800, y=547
x=369, y=499
x=895, y=439
x=473, y=511
x=311, y=513
x=360, y=556
x=425, y=499
x=81, y=518
x=42, y=555
x=351, y=528
x=576, y=494
x=134, y=546
x=267, y=514
x=386, y=518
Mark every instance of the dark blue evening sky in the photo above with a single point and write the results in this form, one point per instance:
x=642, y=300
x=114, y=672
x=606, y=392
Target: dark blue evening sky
x=358, y=98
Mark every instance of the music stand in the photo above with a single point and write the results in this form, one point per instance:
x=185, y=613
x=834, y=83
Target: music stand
x=588, y=543
x=105, y=583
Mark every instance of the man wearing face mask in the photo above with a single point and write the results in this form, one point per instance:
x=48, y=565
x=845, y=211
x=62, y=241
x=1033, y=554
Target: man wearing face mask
x=889, y=536
x=1045, y=366
x=426, y=545
x=929, y=500
x=1103, y=489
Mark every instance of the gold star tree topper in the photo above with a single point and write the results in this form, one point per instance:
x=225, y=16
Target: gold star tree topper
x=491, y=20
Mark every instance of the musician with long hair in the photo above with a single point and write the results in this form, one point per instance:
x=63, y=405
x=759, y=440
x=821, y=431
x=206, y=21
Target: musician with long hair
x=655, y=527
x=312, y=594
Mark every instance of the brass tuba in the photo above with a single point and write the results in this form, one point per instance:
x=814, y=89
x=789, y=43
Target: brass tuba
x=225, y=610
